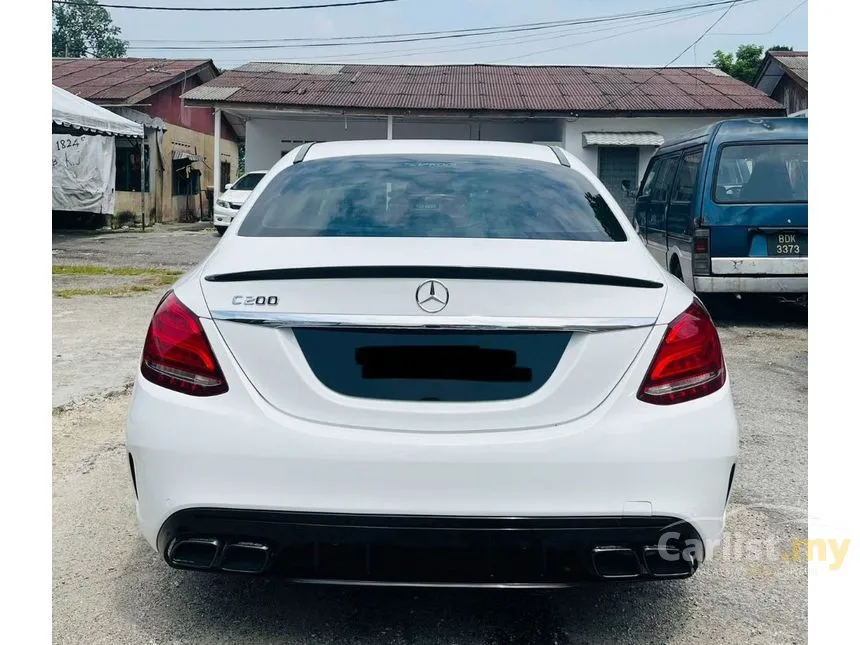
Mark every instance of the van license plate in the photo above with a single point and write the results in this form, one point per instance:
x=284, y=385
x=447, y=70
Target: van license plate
x=787, y=243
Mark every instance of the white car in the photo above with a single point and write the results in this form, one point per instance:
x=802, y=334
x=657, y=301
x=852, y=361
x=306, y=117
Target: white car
x=432, y=363
x=229, y=203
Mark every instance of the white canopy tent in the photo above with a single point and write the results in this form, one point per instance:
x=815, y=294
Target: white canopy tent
x=72, y=111
x=84, y=150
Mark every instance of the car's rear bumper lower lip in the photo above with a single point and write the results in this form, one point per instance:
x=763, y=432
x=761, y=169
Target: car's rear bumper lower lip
x=434, y=551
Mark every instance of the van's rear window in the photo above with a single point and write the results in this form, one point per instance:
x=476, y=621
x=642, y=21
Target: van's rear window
x=761, y=173
x=432, y=196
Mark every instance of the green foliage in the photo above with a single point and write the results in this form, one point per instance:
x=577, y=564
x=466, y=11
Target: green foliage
x=85, y=29
x=745, y=63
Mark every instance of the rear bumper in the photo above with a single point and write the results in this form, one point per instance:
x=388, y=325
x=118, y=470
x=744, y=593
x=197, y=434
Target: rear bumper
x=430, y=551
x=751, y=284
x=225, y=454
x=760, y=266
x=771, y=275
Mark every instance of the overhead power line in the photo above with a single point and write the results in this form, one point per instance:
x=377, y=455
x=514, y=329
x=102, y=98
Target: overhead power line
x=477, y=30
x=330, y=5
x=568, y=34
x=641, y=27
x=685, y=50
x=380, y=39
x=504, y=41
x=769, y=31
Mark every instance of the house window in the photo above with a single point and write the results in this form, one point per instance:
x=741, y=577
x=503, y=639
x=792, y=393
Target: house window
x=186, y=178
x=225, y=175
x=128, y=166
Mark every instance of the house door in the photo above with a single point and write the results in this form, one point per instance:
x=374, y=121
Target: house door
x=617, y=167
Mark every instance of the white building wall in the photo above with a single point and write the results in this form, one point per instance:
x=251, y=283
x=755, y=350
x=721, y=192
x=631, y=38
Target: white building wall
x=266, y=139
x=669, y=127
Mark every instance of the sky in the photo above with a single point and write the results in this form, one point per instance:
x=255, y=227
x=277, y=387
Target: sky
x=640, y=41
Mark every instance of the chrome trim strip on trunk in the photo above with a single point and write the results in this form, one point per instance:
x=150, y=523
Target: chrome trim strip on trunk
x=468, y=323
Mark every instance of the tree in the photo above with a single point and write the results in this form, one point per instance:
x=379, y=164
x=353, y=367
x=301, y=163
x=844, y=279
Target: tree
x=85, y=29
x=745, y=63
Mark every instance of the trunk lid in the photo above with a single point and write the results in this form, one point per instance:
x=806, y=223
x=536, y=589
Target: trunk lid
x=531, y=333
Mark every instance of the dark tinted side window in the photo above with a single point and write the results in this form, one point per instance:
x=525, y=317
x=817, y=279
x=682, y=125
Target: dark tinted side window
x=660, y=194
x=650, y=176
x=663, y=182
x=432, y=196
x=683, y=192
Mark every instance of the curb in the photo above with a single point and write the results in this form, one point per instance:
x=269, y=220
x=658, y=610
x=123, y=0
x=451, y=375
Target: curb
x=96, y=397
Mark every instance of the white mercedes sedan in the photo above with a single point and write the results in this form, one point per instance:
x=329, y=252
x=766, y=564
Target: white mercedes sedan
x=441, y=363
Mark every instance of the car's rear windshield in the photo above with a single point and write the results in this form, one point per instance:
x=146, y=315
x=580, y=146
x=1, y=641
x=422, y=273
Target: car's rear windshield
x=248, y=182
x=762, y=173
x=432, y=196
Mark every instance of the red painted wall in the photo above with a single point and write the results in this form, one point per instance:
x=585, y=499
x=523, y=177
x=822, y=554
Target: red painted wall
x=170, y=108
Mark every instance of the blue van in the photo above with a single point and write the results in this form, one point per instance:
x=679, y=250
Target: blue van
x=724, y=208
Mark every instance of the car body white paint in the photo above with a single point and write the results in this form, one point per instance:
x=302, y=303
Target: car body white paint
x=581, y=445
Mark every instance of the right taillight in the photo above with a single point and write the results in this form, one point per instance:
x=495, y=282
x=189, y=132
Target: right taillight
x=702, y=251
x=689, y=362
x=177, y=354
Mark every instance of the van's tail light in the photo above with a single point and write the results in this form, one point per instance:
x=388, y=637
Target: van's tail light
x=689, y=362
x=177, y=354
x=702, y=251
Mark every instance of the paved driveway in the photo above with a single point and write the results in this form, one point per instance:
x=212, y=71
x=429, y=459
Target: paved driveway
x=110, y=588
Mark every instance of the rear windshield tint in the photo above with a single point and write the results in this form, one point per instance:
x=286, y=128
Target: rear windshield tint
x=762, y=174
x=248, y=182
x=431, y=196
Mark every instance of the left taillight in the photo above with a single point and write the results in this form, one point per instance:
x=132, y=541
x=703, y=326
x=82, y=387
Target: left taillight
x=177, y=355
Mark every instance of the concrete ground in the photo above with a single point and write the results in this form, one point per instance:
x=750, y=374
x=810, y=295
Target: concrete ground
x=109, y=587
x=97, y=339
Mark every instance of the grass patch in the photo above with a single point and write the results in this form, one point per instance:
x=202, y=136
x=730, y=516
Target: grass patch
x=150, y=280
x=115, y=292
x=91, y=269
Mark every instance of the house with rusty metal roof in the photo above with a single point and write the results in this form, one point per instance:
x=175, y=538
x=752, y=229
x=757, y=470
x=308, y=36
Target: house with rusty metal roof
x=784, y=77
x=611, y=117
x=179, y=153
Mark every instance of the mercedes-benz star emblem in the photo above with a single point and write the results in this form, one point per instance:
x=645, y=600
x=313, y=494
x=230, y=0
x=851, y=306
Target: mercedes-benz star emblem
x=431, y=296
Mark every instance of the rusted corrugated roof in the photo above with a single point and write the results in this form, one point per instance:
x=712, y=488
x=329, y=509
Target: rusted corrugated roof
x=473, y=88
x=796, y=62
x=778, y=64
x=121, y=79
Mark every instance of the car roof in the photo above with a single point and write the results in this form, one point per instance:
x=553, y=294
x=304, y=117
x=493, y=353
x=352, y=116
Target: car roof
x=740, y=130
x=527, y=151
